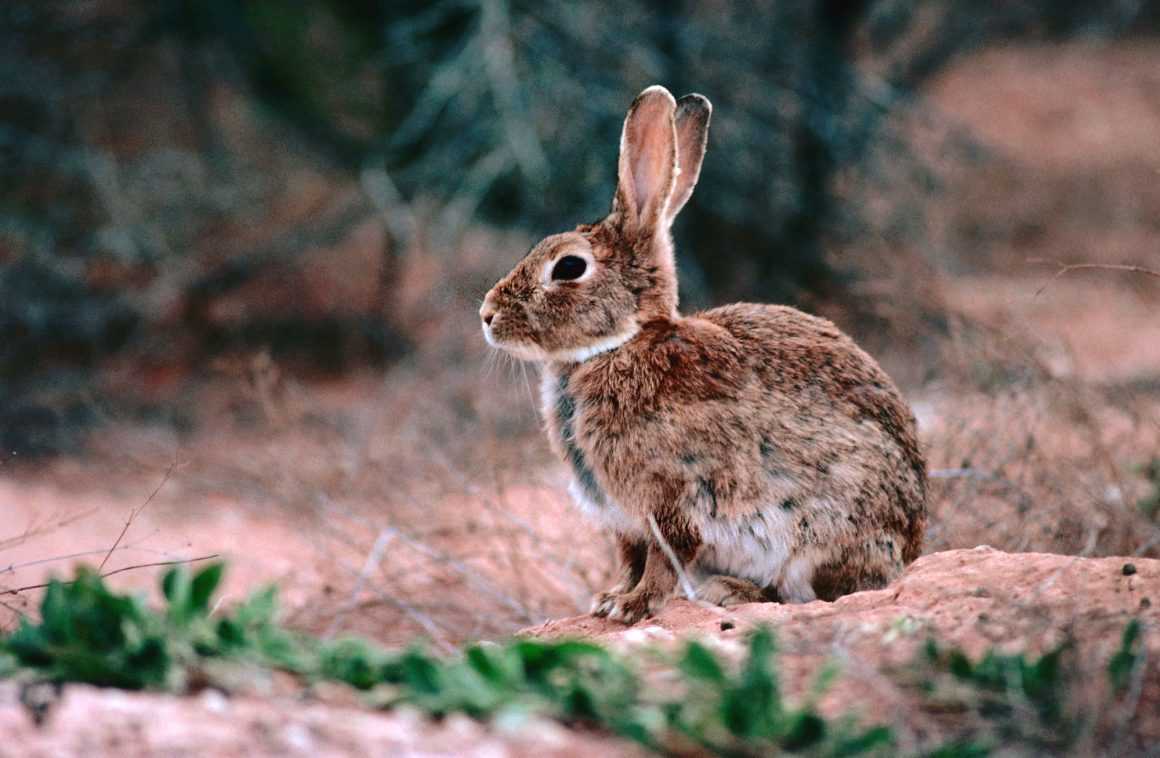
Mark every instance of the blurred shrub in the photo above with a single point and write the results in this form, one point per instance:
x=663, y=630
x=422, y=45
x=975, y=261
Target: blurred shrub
x=161, y=156
x=510, y=110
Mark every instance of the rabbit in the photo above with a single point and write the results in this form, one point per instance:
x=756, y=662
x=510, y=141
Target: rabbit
x=752, y=451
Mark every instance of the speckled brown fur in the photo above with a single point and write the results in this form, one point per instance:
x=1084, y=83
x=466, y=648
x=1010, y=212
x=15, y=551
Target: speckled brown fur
x=774, y=456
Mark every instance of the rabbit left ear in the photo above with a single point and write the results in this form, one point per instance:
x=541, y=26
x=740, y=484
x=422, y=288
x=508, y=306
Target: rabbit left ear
x=692, y=125
x=648, y=161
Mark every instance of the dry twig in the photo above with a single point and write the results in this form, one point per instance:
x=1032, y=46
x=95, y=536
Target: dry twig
x=371, y=564
x=1065, y=268
x=36, y=531
x=135, y=512
x=123, y=569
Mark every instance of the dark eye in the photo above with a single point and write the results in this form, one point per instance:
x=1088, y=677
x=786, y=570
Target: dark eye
x=568, y=268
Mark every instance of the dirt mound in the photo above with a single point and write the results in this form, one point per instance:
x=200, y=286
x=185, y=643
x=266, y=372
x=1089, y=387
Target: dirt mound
x=977, y=600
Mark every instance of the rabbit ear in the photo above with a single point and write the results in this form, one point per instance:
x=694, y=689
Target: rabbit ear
x=692, y=124
x=648, y=160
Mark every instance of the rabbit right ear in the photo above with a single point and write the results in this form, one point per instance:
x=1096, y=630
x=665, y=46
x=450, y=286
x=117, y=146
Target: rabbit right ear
x=648, y=161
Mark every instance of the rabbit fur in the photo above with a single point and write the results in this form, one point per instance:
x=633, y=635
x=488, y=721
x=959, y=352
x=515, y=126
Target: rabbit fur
x=774, y=458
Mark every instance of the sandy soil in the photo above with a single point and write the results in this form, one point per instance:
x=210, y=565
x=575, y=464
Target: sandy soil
x=89, y=721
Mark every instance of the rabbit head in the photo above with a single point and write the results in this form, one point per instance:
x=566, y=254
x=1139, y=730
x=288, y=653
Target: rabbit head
x=586, y=291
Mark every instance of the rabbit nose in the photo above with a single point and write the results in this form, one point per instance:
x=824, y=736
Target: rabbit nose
x=487, y=313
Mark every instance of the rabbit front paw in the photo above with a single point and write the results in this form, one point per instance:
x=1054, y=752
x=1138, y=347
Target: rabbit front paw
x=603, y=603
x=626, y=607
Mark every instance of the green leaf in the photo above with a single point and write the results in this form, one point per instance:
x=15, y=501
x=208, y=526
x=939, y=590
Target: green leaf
x=961, y=750
x=175, y=585
x=699, y=663
x=259, y=609
x=867, y=741
x=805, y=731
x=960, y=665
x=204, y=583
x=172, y=583
x=822, y=682
x=1123, y=663
x=485, y=666
x=420, y=673
x=353, y=661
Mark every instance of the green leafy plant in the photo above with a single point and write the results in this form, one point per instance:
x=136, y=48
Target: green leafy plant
x=88, y=633
x=745, y=713
x=1016, y=698
x=1149, y=504
x=574, y=682
x=1125, y=660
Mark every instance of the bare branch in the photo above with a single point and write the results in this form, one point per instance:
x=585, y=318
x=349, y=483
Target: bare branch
x=32, y=531
x=133, y=513
x=12, y=568
x=114, y=572
x=1065, y=268
x=371, y=564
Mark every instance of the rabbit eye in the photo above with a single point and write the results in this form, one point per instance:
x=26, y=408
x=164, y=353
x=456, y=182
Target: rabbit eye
x=568, y=268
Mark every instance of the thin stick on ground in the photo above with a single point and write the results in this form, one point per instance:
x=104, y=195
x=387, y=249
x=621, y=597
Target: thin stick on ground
x=370, y=565
x=135, y=512
x=1066, y=268
x=438, y=634
x=37, y=531
x=12, y=568
x=114, y=572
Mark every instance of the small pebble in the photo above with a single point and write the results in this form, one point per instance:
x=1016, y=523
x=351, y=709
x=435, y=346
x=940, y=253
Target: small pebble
x=214, y=701
x=639, y=634
x=298, y=738
x=1129, y=569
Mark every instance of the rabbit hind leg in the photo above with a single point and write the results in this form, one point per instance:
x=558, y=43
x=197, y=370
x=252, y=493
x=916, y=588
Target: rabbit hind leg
x=727, y=591
x=870, y=565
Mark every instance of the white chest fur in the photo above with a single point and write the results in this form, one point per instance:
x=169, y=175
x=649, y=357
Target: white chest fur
x=755, y=547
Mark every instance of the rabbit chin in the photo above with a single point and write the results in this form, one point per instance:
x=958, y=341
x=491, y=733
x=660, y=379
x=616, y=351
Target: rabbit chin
x=521, y=350
x=527, y=352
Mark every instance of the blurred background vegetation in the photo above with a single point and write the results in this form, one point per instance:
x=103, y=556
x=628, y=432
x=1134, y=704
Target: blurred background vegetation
x=184, y=180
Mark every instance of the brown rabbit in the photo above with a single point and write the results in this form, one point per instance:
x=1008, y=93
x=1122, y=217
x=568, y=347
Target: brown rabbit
x=773, y=456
